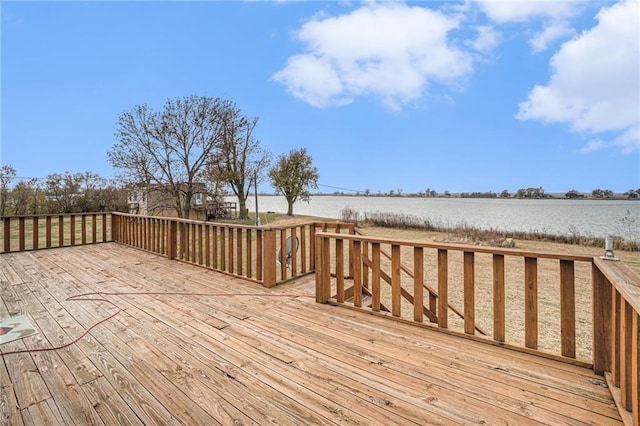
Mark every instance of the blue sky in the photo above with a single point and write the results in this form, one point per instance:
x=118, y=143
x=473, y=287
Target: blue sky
x=457, y=96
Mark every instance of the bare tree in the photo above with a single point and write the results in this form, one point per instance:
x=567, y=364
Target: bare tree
x=7, y=174
x=240, y=161
x=169, y=148
x=293, y=175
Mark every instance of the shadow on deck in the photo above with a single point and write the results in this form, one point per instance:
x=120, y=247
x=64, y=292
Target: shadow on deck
x=189, y=345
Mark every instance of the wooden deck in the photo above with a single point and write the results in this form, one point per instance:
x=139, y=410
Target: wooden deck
x=217, y=350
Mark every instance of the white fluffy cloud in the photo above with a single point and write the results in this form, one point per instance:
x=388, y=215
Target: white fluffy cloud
x=553, y=14
x=595, y=82
x=390, y=51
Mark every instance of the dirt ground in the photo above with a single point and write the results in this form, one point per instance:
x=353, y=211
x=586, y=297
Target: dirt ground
x=548, y=285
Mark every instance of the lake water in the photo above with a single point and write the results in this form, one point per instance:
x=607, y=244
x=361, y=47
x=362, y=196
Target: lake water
x=565, y=217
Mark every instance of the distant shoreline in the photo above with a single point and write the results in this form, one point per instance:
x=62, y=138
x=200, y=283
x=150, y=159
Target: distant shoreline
x=553, y=196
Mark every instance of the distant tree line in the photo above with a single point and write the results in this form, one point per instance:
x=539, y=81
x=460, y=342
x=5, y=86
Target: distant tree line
x=522, y=193
x=58, y=193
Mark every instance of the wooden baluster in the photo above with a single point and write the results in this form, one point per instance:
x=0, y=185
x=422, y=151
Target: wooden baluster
x=21, y=233
x=418, y=283
x=36, y=231
x=498, y=298
x=94, y=228
x=269, y=262
x=283, y=254
x=230, y=249
x=340, y=270
x=83, y=229
x=357, y=273
x=469, y=292
x=616, y=323
x=396, y=285
x=312, y=247
x=294, y=252
x=60, y=231
x=567, y=309
x=375, y=277
x=635, y=370
x=223, y=249
x=626, y=327
x=207, y=245
x=194, y=242
x=239, y=254
x=214, y=247
x=200, y=245
x=248, y=252
x=104, y=227
x=72, y=230
x=365, y=269
x=303, y=248
x=259, y=263
x=48, y=228
x=531, y=302
x=443, y=288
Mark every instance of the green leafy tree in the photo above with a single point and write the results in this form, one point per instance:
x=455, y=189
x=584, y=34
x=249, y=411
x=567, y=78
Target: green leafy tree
x=293, y=175
x=26, y=197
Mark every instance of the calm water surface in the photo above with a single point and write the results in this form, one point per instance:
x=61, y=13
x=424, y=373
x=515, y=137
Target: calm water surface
x=581, y=217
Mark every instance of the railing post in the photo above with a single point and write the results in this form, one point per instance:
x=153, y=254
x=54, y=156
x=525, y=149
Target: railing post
x=7, y=234
x=269, y=258
x=104, y=228
x=601, y=321
x=323, y=269
x=115, y=227
x=172, y=240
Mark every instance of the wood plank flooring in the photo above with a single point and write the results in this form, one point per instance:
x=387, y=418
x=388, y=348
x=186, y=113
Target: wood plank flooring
x=190, y=346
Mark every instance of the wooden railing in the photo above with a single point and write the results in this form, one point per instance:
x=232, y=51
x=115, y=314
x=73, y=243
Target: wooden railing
x=20, y=233
x=512, y=294
x=616, y=333
x=266, y=255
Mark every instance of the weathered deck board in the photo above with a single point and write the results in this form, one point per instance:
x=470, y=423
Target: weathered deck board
x=206, y=348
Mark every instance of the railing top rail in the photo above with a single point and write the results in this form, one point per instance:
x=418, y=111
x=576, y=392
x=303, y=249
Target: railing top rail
x=26, y=216
x=623, y=278
x=461, y=247
x=234, y=225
